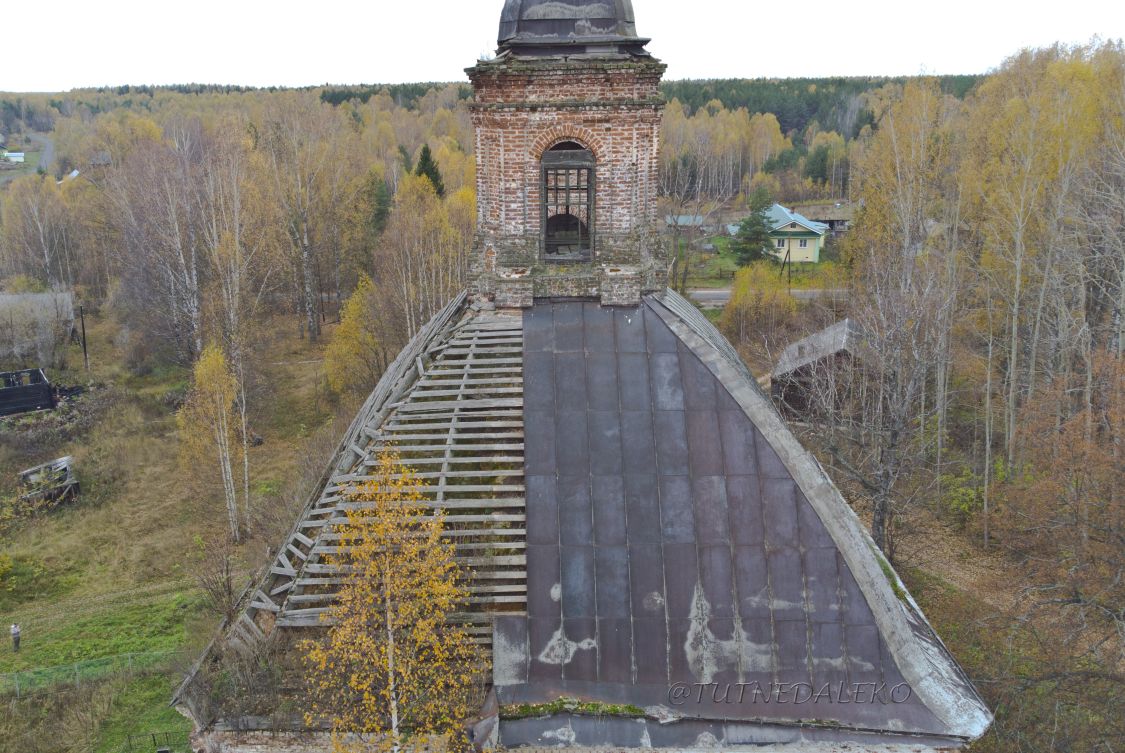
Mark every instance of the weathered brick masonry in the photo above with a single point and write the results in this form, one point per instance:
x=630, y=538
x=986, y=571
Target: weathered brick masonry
x=522, y=108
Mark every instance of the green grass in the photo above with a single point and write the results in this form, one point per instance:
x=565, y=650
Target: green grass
x=106, y=583
x=26, y=578
x=29, y=167
x=717, y=269
x=140, y=708
x=159, y=626
x=714, y=269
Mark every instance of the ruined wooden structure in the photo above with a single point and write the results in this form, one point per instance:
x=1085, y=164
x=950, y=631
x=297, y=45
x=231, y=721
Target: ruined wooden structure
x=25, y=391
x=815, y=369
x=51, y=483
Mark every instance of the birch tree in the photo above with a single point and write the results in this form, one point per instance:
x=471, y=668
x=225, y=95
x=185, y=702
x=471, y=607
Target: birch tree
x=298, y=140
x=208, y=427
x=393, y=668
x=903, y=296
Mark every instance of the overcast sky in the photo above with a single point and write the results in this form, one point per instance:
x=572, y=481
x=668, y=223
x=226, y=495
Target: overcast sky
x=80, y=43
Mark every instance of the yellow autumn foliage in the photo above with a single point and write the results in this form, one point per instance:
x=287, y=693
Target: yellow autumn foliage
x=208, y=426
x=761, y=313
x=392, y=667
x=352, y=359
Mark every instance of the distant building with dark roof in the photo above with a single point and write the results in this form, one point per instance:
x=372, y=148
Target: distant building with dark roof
x=645, y=533
x=837, y=216
x=815, y=363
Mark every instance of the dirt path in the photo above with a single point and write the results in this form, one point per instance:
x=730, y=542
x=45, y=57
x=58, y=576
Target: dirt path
x=47, y=150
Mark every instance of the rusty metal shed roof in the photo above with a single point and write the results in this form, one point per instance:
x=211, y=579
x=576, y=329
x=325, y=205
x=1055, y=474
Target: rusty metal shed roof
x=542, y=27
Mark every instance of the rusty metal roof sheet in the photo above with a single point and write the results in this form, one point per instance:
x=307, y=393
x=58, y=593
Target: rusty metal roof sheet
x=675, y=561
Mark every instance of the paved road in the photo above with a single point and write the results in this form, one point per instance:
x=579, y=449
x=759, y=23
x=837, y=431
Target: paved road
x=47, y=153
x=716, y=298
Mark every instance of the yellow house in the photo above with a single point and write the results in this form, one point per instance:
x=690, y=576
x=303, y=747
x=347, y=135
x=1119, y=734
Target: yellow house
x=794, y=237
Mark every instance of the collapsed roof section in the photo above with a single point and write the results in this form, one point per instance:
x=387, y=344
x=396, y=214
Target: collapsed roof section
x=451, y=406
x=841, y=337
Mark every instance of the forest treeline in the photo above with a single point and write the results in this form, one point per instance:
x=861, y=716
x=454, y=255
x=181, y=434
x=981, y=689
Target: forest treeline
x=197, y=208
x=986, y=266
x=987, y=384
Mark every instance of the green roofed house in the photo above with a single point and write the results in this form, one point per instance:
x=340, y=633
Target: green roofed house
x=795, y=235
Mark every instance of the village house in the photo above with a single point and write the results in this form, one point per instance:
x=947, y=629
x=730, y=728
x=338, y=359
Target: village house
x=794, y=237
x=838, y=216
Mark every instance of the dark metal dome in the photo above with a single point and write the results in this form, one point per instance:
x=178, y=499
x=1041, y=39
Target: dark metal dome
x=569, y=27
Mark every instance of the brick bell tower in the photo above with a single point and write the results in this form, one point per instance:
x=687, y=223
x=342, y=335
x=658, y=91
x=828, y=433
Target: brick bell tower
x=567, y=119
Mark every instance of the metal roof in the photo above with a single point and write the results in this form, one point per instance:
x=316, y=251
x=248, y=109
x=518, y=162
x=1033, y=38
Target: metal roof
x=840, y=337
x=779, y=217
x=671, y=545
x=658, y=529
x=536, y=27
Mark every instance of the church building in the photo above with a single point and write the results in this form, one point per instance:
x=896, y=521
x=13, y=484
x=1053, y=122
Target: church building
x=647, y=535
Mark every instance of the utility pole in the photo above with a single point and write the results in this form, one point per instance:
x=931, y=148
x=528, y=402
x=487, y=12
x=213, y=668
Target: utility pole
x=85, y=353
x=787, y=261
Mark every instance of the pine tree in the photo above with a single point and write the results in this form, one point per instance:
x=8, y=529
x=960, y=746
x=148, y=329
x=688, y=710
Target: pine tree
x=753, y=237
x=428, y=167
x=379, y=200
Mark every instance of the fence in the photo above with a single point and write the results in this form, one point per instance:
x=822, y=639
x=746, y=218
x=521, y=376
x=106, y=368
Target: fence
x=176, y=742
x=48, y=679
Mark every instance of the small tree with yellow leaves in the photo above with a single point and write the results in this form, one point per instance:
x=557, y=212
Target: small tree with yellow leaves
x=208, y=425
x=393, y=667
x=353, y=359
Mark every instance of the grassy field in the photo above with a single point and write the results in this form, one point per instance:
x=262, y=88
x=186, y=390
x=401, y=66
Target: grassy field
x=30, y=165
x=140, y=707
x=114, y=574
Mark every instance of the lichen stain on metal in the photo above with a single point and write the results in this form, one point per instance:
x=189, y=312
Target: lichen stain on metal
x=646, y=738
x=508, y=660
x=556, y=592
x=564, y=735
x=708, y=655
x=554, y=10
x=560, y=649
x=707, y=740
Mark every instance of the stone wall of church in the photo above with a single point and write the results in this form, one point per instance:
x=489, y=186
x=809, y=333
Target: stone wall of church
x=524, y=107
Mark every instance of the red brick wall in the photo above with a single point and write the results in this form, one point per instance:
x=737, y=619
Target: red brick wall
x=522, y=108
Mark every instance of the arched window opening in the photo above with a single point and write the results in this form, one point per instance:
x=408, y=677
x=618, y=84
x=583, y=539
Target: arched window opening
x=568, y=202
